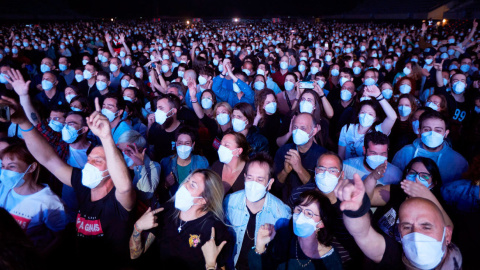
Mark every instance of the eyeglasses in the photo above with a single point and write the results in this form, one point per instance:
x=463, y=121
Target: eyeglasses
x=321, y=169
x=425, y=176
x=307, y=212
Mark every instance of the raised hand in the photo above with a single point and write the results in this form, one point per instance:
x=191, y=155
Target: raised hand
x=17, y=114
x=122, y=38
x=351, y=194
x=265, y=234
x=380, y=170
x=372, y=90
x=210, y=250
x=98, y=123
x=108, y=37
x=148, y=220
x=415, y=189
x=137, y=156
x=439, y=66
x=15, y=79
x=475, y=23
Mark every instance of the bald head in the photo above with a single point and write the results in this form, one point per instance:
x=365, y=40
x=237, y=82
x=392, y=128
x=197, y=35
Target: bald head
x=422, y=216
x=190, y=74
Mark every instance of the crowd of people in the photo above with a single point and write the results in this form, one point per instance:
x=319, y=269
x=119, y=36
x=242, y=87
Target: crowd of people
x=217, y=145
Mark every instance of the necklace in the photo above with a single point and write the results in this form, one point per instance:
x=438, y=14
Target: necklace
x=180, y=227
x=296, y=254
x=251, y=238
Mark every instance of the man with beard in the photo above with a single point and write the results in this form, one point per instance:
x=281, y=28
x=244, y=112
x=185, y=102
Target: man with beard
x=162, y=126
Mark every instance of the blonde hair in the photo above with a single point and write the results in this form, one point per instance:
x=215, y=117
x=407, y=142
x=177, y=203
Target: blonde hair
x=222, y=104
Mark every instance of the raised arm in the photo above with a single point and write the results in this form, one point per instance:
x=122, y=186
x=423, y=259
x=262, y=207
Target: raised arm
x=354, y=203
x=36, y=144
x=21, y=88
x=470, y=35
x=192, y=91
x=146, y=222
x=108, y=39
x=100, y=126
x=389, y=121
x=327, y=107
x=122, y=39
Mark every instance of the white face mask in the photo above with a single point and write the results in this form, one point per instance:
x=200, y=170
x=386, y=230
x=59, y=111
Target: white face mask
x=183, y=199
x=366, y=120
x=326, y=181
x=92, y=176
x=432, y=139
x=271, y=107
x=55, y=125
x=161, y=116
x=69, y=134
x=300, y=137
x=405, y=88
x=375, y=161
x=12, y=179
x=423, y=251
x=223, y=119
x=225, y=155
x=183, y=151
x=255, y=191
x=306, y=107
x=303, y=226
x=238, y=125
x=109, y=114
x=128, y=160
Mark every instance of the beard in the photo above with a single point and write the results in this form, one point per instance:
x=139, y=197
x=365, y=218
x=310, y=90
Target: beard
x=168, y=123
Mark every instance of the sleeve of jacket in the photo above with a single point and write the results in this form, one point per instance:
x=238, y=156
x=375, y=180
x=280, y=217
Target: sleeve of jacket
x=218, y=89
x=247, y=90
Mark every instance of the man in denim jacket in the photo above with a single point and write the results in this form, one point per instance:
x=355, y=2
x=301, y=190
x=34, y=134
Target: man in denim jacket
x=248, y=209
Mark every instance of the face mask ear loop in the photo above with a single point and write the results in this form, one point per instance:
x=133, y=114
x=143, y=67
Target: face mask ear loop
x=23, y=174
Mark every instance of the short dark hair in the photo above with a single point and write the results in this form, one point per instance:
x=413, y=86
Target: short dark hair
x=120, y=101
x=432, y=114
x=331, y=153
x=377, y=138
x=264, y=159
x=82, y=115
x=103, y=73
x=60, y=108
x=187, y=131
x=172, y=99
x=347, y=70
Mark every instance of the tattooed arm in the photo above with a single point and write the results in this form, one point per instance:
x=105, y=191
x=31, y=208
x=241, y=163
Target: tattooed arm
x=146, y=222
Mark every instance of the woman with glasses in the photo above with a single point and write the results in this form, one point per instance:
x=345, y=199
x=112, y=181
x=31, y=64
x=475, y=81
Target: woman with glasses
x=421, y=179
x=308, y=247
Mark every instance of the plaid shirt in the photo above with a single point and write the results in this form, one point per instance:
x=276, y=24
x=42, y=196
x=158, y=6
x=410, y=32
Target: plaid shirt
x=54, y=139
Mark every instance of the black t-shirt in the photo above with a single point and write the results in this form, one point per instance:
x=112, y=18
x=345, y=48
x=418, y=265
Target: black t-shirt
x=162, y=141
x=188, y=117
x=182, y=250
x=103, y=227
x=248, y=242
x=385, y=218
x=392, y=258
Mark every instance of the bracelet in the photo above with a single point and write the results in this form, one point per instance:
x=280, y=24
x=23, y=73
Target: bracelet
x=256, y=251
x=379, y=96
x=25, y=130
x=381, y=99
x=322, y=96
x=135, y=227
x=364, y=208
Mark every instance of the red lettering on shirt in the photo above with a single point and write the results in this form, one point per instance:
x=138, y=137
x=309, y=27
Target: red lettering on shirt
x=89, y=226
x=23, y=222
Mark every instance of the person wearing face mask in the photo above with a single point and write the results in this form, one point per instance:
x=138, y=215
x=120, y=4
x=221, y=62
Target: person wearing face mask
x=376, y=154
x=246, y=210
x=67, y=73
x=431, y=143
x=263, y=70
x=101, y=87
x=429, y=66
x=243, y=122
x=113, y=107
x=146, y=172
x=343, y=105
x=241, y=91
x=51, y=95
x=103, y=189
x=267, y=118
x=47, y=65
x=177, y=167
x=295, y=162
x=402, y=131
x=233, y=154
x=421, y=247
x=287, y=98
x=90, y=78
x=350, y=143
x=162, y=126
x=280, y=77
x=184, y=226
x=31, y=203
x=115, y=73
x=311, y=240
x=459, y=107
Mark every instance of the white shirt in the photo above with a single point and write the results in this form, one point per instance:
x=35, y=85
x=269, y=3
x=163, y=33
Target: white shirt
x=352, y=140
x=352, y=166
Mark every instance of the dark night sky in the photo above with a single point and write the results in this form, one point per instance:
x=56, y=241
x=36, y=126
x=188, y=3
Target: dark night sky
x=174, y=8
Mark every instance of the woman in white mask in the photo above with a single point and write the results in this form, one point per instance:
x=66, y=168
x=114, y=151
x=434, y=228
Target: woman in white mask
x=289, y=96
x=34, y=206
x=310, y=239
x=185, y=224
x=402, y=131
x=258, y=83
x=412, y=71
x=243, y=117
x=437, y=103
x=302, y=68
x=232, y=154
x=370, y=117
x=267, y=118
x=177, y=167
x=421, y=179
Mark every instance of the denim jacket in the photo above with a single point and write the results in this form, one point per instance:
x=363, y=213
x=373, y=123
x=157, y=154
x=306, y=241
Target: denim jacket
x=274, y=211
